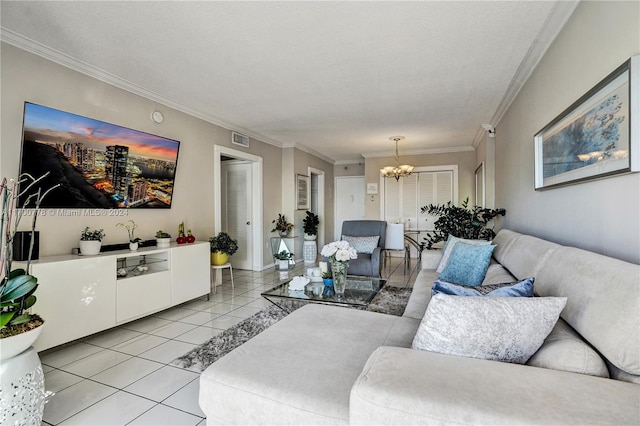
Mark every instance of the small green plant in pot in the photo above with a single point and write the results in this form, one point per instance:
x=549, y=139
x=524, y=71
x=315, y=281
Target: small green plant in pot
x=222, y=246
x=163, y=239
x=91, y=241
x=283, y=259
x=282, y=227
x=310, y=225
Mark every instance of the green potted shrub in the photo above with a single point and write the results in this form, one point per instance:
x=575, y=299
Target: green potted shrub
x=222, y=246
x=163, y=239
x=462, y=222
x=310, y=226
x=91, y=241
x=282, y=227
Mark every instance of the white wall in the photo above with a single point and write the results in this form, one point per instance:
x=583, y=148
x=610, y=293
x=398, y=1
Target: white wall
x=603, y=215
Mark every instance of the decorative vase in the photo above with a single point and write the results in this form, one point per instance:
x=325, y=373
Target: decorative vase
x=163, y=242
x=90, y=248
x=339, y=272
x=133, y=246
x=310, y=237
x=328, y=287
x=283, y=233
x=219, y=258
x=309, y=252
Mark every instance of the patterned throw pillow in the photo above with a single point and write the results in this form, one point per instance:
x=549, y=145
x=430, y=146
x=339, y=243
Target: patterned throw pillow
x=364, y=245
x=467, y=264
x=450, y=244
x=522, y=288
x=509, y=329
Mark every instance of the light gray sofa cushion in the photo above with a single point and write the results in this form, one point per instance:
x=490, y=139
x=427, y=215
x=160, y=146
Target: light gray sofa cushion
x=564, y=349
x=299, y=371
x=404, y=386
x=507, y=329
x=603, y=301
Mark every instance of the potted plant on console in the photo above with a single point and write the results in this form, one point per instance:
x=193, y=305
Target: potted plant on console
x=222, y=246
x=282, y=227
x=91, y=241
x=130, y=226
x=21, y=372
x=163, y=239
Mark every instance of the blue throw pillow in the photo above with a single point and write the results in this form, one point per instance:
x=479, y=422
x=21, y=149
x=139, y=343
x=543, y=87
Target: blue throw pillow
x=522, y=288
x=467, y=264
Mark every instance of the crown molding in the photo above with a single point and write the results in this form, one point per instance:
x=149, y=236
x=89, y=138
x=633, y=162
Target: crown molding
x=556, y=20
x=39, y=49
x=427, y=151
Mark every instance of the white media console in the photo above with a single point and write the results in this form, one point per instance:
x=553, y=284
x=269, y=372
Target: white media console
x=82, y=295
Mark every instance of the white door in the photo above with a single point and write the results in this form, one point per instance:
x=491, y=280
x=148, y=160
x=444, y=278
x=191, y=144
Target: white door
x=236, y=209
x=350, y=199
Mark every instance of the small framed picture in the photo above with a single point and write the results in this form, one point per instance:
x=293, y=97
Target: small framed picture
x=372, y=188
x=302, y=192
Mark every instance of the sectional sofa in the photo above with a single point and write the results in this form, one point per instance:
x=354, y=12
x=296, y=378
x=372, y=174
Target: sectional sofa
x=331, y=365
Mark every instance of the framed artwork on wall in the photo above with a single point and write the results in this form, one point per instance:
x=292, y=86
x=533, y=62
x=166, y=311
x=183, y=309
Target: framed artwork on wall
x=302, y=192
x=595, y=137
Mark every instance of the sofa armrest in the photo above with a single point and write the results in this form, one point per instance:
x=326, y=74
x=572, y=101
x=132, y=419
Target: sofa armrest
x=407, y=386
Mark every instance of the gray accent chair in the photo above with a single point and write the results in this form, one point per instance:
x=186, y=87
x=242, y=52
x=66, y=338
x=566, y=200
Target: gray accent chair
x=369, y=265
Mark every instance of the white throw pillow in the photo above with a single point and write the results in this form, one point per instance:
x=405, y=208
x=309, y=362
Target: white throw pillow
x=364, y=245
x=451, y=242
x=507, y=329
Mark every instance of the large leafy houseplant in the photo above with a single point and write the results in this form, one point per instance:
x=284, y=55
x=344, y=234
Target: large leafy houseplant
x=462, y=222
x=17, y=286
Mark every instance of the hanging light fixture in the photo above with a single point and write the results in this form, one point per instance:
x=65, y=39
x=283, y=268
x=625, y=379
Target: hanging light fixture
x=398, y=170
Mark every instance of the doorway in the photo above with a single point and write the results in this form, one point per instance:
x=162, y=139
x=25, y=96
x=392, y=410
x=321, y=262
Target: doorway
x=317, y=205
x=238, y=203
x=350, y=200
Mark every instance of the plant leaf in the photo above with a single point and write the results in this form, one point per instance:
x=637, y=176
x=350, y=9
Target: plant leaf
x=18, y=287
x=5, y=317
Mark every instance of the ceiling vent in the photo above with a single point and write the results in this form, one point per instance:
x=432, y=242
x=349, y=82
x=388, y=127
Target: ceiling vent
x=240, y=139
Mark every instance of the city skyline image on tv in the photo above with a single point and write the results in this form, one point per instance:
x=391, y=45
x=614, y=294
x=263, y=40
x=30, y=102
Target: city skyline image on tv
x=97, y=164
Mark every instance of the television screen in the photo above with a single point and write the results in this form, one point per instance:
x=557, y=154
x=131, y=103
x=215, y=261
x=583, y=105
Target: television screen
x=97, y=164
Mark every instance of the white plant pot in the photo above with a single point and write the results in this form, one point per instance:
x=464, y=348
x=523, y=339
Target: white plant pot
x=309, y=237
x=13, y=345
x=163, y=242
x=283, y=265
x=90, y=248
x=133, y=246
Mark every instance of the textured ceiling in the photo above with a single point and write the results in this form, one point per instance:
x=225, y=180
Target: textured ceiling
x=336, y=78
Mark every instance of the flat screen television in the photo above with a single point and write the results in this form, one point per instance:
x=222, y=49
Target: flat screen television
x=98, y=165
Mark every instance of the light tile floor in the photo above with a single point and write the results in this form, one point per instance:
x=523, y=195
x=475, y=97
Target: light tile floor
x=123, y=377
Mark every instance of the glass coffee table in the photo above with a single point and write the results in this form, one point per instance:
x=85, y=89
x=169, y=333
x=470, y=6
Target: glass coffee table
x=358, y=294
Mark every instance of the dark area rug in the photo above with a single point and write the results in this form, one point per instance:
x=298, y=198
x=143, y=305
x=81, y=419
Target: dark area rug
x=390, y=300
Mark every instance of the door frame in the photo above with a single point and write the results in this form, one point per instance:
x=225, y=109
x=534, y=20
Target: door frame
x=256, y=195
x=321, y=204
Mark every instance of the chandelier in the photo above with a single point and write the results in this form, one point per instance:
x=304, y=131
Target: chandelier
x=398, y=170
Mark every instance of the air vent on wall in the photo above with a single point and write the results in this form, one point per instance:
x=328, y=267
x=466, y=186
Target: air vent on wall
x=240, y=139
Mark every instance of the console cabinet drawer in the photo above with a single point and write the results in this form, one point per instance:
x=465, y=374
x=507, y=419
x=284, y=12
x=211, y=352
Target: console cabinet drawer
x=142, y=295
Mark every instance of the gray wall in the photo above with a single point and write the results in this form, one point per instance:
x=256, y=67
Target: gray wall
x=27, y=77
x=603, y=215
